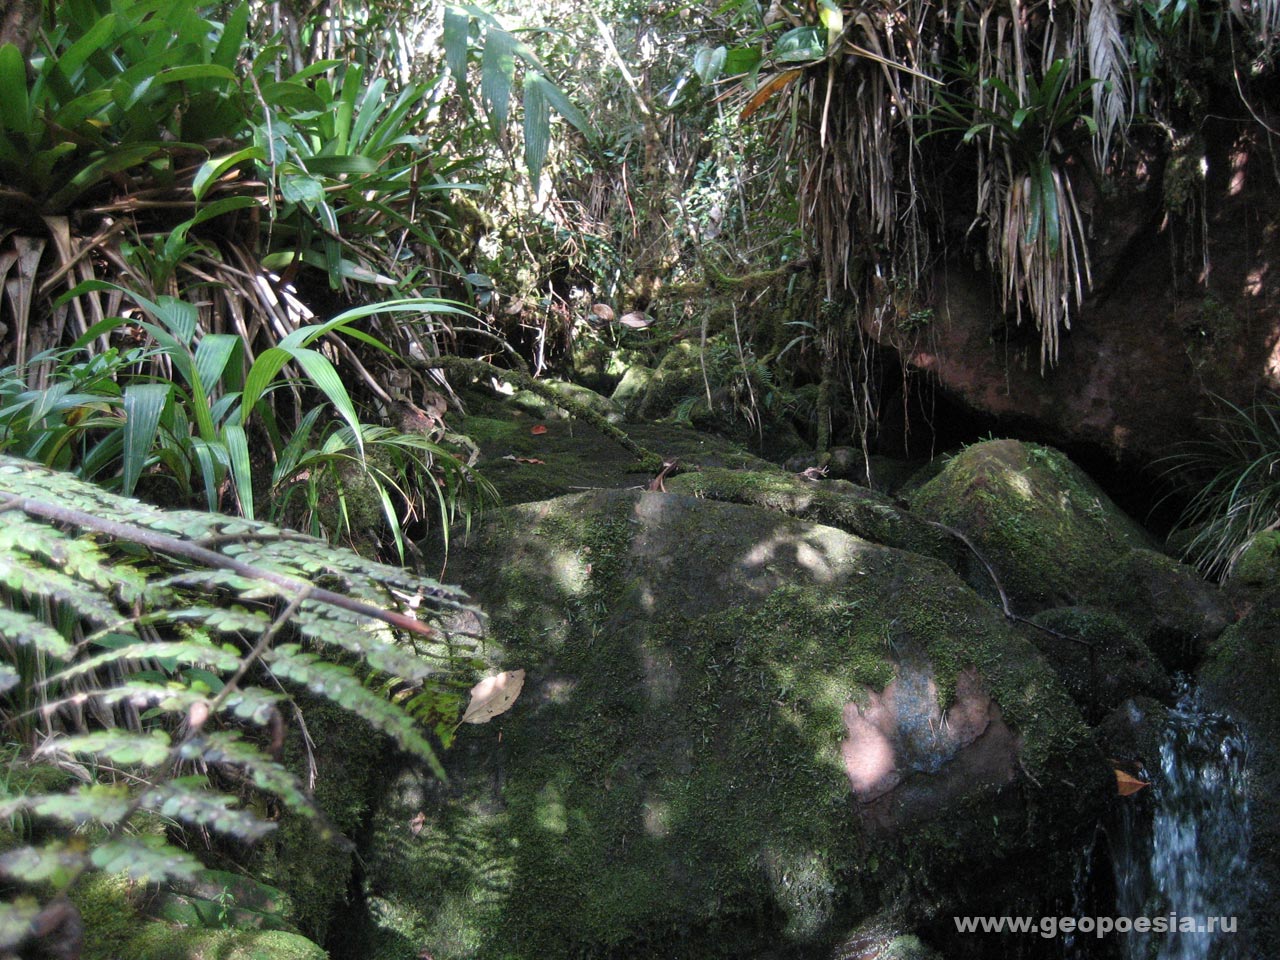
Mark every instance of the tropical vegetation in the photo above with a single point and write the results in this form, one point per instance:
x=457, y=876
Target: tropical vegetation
x=257, y=260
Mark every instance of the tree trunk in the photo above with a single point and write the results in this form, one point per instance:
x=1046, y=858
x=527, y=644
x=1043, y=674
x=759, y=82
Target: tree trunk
x=19, y=20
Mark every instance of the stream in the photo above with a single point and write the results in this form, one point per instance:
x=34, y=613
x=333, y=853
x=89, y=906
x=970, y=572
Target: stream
x=1182, y=854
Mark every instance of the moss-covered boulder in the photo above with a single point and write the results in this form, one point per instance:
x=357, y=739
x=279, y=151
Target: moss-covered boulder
x=539, y=406
x=527, y=458
x=720, y=399
x=833, y=503
x=1259, y=565
x=1099, y=657
x=1053, y=539
x=739, y=734
x=1242, y=676
x=117, y=925
x=1047, y=529
x=1175, y=611
x=631, y=390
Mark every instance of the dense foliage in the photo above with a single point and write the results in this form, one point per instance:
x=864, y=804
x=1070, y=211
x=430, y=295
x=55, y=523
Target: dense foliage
x=152, y=654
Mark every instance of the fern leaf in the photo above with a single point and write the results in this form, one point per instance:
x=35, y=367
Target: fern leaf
x=226, y=746
x=103, y=803
x=21, y=628
x=121, y=748
x=357, y=635
x=54, y=863
x=28, y=579
x=146, y=858
x=340, y=685
x=187, y=652
x=189, y=800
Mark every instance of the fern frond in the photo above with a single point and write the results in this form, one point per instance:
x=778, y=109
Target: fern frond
x=339, y=684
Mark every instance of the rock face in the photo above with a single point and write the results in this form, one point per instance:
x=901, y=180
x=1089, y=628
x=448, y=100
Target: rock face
x=1242, y=676
x=1143, y=355
x=740, y=734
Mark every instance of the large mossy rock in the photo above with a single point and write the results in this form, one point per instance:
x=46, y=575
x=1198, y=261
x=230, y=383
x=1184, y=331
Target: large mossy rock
x=1242, y=676
x=834, y=503
x=1055, y=539
x=739, y=734
x=528, y=459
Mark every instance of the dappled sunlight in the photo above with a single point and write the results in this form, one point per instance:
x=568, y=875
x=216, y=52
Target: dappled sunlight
x=1253, y=283
x=657, y=817
x=551, y=814
x=1021, y=486
x=869, y=759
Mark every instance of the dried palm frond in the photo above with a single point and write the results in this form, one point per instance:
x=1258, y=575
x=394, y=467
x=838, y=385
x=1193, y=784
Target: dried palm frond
x=1109, y=64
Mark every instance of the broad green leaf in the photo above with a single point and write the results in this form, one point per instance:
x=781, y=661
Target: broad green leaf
x=335, y=166
x=497, y=70
x=457, y=29
x=241, y=467
x=213, y=169
x=708, y=63
x=15, y=108
x=800, y=43
x=213, y=353
x=566, y=108
x=143, y=404
x=537, y=125
x=322, y=374
x=307, y=191
x=73, y=58
x=234, y=32
x=368, y=111
x=195, y=71
x=741, y=60
x=1049, y=188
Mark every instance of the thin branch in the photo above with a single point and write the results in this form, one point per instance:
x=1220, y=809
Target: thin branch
x=188, y=550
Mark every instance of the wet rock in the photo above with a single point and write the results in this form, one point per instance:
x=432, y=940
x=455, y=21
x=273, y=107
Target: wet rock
x=1099, y=657
x=1241, y=675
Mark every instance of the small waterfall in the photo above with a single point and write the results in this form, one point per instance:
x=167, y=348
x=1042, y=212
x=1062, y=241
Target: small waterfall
x=1188, y=863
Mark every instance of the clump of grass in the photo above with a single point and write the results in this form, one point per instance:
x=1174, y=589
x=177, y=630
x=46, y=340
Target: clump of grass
x=1233, y=479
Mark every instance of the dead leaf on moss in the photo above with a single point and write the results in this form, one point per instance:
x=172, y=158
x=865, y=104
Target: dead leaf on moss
x=493, y=695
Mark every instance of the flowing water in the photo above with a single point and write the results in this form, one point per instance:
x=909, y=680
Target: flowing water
x=1187, y=862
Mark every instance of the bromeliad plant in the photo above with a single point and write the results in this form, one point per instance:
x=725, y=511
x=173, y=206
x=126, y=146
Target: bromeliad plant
x=1232, y=481
x=153, y=653
x=1035, y=235
x=188, y=408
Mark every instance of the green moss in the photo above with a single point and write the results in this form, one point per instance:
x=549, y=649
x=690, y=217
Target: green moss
x=835, y=503
x=1048, y=529
x=162, y=942
x=1260, y=564
x=671, y=782
x=313, y=868
x=115, y=927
